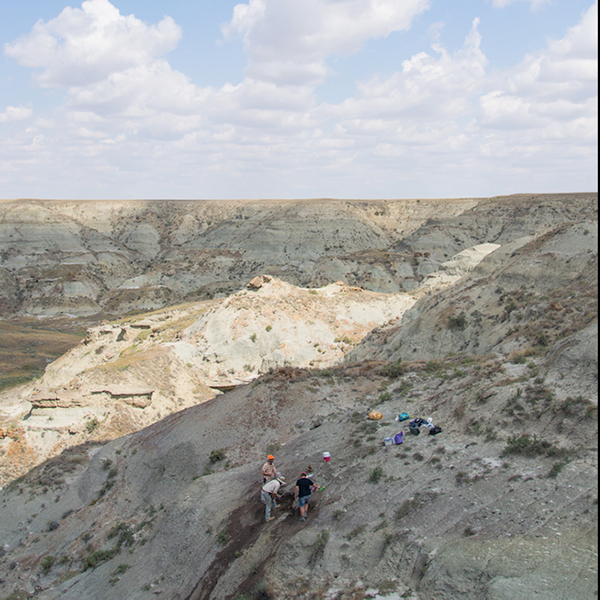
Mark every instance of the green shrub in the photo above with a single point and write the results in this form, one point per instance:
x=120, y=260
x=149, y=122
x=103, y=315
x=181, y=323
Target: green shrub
x=93, y=559
x=355, y=532
x=223, y=537
x=458, y=322
x=527, y=446
x=433, y=366
x=404, y=387
x=123, y=533
x=47, y=563
x=216, y=455
x=368, y=451
x=557, y=467
x=318, y=547
x=92, y=424
x=121, y=569
x=376, y=474
x=512, y=305
x=406, y=507
x=384, y=397
x=542, y=339
x=393, y=369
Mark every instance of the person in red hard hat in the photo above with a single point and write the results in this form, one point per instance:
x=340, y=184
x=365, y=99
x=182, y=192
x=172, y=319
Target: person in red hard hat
x=268, y=470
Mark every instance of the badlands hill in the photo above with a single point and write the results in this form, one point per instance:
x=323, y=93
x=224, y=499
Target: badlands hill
x=66, y=265
x=85, y=258
x=131, y=467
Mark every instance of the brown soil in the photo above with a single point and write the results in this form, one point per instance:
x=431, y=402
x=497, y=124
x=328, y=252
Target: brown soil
x=246, y=524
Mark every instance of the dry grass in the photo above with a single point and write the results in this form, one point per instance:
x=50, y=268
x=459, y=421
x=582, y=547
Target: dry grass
x=26, y=348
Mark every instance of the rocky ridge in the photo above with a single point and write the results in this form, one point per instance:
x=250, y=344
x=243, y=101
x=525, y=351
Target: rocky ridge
x=127, y=374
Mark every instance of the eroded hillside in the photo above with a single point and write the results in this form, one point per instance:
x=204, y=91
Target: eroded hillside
x=497, y=345
x=67, y=265
x=134, y=371
x=501, y=503
x=85, y=258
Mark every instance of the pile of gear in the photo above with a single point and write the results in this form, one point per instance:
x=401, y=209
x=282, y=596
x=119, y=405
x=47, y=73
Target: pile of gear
x=415, y=426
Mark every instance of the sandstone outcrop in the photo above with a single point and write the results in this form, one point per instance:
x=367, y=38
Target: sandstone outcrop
x=127, y=374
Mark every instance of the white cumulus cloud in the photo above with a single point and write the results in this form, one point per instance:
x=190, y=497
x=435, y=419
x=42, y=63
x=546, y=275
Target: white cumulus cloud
x=15, y=113
x=557, y=84
x=430, y=86
x=288, y=41
x=85, y=45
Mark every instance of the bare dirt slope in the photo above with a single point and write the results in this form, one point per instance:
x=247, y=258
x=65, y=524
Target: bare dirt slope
x=501, y=504
x=476, y=510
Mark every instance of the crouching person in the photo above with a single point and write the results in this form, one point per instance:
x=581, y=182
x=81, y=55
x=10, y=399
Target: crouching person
x=270, y=495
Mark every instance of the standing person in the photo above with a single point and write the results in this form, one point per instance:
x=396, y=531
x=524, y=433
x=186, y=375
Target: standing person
x=304, y=488
x=268, y=470
x=270, y=495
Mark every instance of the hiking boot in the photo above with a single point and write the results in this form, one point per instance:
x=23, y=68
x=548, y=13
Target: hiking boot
x=303, y=518
x=269, y=519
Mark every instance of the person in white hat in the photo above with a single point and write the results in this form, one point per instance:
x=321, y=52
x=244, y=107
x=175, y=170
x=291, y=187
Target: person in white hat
x=270, y=495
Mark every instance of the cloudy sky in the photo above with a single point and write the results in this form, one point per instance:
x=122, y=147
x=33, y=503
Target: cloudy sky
x=297, y=99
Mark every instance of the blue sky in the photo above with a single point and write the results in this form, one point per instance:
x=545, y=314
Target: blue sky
x=286, y=99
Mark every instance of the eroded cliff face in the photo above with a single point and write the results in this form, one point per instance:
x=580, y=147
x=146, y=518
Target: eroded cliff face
x=535, y=290
x=497, y=344
x=86, y=258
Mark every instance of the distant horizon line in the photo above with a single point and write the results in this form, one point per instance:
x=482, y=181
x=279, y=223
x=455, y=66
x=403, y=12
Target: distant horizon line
x=299, y=199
